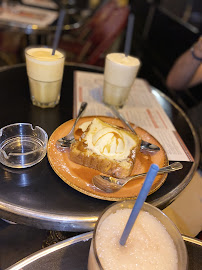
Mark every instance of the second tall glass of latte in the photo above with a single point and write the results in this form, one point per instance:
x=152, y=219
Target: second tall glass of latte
x=45, y=73
x=119, y=75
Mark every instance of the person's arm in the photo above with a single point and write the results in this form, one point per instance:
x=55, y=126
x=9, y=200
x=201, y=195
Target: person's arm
x=187, y=70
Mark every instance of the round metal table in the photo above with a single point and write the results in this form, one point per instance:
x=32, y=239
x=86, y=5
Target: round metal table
x=36, y=196
x=73, y=254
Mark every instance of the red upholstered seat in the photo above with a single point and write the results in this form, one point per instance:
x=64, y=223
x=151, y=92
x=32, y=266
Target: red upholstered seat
x=102, y=32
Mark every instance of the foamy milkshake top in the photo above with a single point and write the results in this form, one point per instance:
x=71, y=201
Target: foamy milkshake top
x=44, y=54
x=121, y=58
x=149, y=245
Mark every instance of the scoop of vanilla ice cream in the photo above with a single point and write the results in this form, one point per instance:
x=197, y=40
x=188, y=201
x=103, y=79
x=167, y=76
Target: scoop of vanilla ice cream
x=109, y=141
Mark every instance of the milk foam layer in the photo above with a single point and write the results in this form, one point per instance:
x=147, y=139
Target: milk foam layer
x=106, y=140
x=121, y=58
x=42, y=66
x=149, y=246
x=120, y=70
x=44, y=54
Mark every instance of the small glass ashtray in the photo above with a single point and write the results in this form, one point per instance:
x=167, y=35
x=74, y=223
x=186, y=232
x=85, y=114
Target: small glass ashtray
x=22, y=145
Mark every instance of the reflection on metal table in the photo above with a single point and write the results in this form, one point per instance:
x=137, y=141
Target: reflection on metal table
x=36, y=196
x=31, y=17
x=73, y=254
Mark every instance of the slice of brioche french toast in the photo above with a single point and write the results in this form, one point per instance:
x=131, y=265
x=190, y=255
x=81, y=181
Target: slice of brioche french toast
x=107, y=148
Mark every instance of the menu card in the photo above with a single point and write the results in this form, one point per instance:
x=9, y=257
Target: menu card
x=27, y=15
x=142, y=108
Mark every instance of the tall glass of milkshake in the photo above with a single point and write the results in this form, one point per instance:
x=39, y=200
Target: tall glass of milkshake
x=45, y=73
x=119, y=74
x=153, y=243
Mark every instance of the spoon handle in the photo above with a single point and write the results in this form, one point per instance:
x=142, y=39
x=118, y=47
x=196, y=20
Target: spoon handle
x=124, y=121
x=170, y=168
x=145, y=146
x=81, y=110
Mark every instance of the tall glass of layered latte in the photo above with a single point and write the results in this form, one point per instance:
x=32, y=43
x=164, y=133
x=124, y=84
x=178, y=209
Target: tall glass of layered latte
x=119, y=74
x=153, y=243
x=45, y=72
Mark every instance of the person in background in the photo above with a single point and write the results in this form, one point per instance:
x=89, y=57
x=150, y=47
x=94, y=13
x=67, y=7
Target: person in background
x=187, y=70
x=186, y=73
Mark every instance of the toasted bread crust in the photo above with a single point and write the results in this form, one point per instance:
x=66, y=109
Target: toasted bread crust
x=111, y=167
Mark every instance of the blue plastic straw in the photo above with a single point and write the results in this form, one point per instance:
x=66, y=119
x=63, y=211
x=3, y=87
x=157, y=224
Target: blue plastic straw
x=58, y=30
x=139, y=202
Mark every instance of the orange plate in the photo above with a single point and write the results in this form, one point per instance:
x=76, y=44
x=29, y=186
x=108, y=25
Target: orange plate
x=80, y=177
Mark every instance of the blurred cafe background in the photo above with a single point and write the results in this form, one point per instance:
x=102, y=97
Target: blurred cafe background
x=163, y=30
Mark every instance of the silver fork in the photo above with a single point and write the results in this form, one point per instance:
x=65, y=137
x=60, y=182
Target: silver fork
x=145, y=146
x=111, y=184
x=67, y=140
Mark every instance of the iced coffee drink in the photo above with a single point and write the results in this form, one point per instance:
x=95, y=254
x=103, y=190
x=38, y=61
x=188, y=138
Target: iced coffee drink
x=45, y=72
x=119, y=74
x=153, y=243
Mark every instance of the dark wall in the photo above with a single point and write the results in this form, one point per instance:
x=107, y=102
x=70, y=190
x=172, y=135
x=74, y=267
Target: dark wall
x=159, y=38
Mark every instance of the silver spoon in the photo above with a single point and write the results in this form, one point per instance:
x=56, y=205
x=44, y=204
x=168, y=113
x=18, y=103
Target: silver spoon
x=69, y=138
x=145, y=146
x=111, y=184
